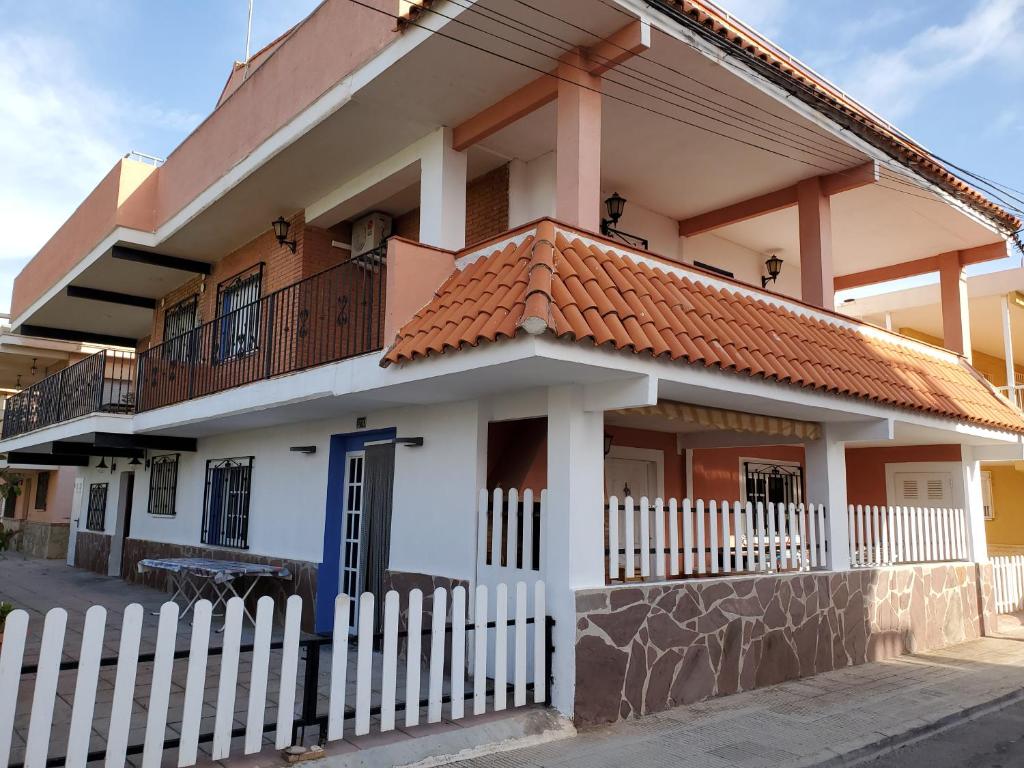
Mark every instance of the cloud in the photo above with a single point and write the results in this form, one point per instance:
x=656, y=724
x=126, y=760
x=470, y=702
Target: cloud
x=894, y=81
x=59, y=135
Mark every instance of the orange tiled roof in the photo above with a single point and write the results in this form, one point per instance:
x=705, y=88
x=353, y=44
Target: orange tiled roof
x=551, y=284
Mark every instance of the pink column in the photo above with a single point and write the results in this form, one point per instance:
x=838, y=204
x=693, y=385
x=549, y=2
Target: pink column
x=578, y=147
x=956, y=318
x=816, y=273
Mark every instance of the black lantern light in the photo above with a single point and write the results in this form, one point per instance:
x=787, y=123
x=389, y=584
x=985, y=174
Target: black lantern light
x=615, y=205
x=281, y=227
x=103, y=463
x=773, y=266
x=607, y=443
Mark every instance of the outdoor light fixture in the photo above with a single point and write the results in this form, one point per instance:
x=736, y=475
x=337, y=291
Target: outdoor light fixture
x=307, y=449
x=134, y=462
x=615, y=205
x=774, y=266
x=281, y=227
x=607, y=443
x=103, y=463
x=34, y=370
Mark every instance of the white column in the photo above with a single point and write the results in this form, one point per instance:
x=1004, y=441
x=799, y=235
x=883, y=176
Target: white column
x=974, y=508
x=1011, y=378
x=888, y=321
x=443, y=193
x=825, y=461
x=573, y=542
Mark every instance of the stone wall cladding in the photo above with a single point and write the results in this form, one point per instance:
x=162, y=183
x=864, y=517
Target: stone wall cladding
x=92, y=551
x=648, y=648
x=302, y=583
x=40, y=539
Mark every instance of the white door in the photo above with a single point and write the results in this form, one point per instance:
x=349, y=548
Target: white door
x=631, y=477
x=923, y=489
x=76, y=512
x=352, y=521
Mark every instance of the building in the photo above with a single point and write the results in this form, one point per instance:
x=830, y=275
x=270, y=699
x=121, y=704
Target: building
x=41, y=509
x=995, y=302
x=409, y=265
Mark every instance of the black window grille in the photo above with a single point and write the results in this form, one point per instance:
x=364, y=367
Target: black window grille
x=179, y=320
x=42, y=489
x=96, y=516
x=773, y=483
x=163, y=484
x=226, y=503
x=238, y=310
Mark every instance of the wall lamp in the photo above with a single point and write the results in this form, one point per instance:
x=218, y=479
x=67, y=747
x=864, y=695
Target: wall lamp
x=281, y=227
x=307, y=449
x=615, y=205
x=607, y=443
x=773, y=265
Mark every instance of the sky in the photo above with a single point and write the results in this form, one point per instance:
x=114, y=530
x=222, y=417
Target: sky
x=82, y=83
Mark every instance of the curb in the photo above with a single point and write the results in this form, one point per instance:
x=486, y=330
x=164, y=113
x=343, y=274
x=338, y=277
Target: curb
x=889, y=744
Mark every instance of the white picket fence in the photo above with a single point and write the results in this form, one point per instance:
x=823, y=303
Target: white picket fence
x=460, y=645
x=511, y=530
x=1008, y=574
x=662, y=540
x=891, y=535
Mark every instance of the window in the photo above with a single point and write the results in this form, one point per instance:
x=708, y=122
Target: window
x=986, y=496
x=178, y=321
x=238, y=319
x=96, y=515
x=163, y=484
x=773, y=483
x=226, y=503
x=42, y=489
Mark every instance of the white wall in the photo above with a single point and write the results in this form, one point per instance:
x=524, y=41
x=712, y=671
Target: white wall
x=745, y=264
x=92, y=475
x=434, y=513
x=531, y=189
x=661, y=232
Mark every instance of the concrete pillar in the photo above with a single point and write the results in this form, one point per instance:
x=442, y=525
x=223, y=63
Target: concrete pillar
x=1011, y=370
x=816, y=273
x=573, y=540
x=578, y=146
x=825, y=460
x=974, y=508
x=956, y=319
x=443, y=193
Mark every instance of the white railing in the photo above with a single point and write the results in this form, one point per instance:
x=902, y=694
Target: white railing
x=1008, y=574
x=510, y=532
x=1014, y=394
x=468, y=648
x=656, y=541
x=892, y=535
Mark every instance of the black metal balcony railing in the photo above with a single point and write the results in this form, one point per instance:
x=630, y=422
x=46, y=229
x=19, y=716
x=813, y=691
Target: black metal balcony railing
x=101, y=383
x=333, y=315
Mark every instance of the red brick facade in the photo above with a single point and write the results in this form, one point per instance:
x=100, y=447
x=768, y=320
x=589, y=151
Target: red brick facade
x=486, y=216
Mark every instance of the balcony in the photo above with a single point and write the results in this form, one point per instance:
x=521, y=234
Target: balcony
x=333, y=315
x=101, y=383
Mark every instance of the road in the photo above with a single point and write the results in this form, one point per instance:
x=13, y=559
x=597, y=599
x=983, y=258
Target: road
x=992, y=741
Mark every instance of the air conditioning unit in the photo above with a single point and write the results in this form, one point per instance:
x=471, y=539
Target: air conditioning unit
x=370, y=232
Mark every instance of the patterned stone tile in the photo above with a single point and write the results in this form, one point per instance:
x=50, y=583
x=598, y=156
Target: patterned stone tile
x=648, y=648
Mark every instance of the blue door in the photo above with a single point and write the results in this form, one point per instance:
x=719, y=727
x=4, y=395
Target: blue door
x=341, y=567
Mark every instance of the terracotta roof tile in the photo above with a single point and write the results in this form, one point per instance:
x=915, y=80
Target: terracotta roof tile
x=583, y=292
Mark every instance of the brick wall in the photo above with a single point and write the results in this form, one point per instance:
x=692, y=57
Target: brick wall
x=487, y=205
x=313, y=253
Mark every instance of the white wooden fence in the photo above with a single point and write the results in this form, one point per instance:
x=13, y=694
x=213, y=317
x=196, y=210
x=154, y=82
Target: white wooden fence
x=891, y=535
x=648, y=541
x=1008, y=574
x=510, y=532
x=461, y=646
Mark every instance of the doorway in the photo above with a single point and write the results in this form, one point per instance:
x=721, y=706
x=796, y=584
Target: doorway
x=357, y=522
x=123, y=523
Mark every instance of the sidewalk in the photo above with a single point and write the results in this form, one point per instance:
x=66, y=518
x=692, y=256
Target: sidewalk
x=836, y=718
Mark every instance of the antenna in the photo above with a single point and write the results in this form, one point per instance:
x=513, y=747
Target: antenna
x=248, y=40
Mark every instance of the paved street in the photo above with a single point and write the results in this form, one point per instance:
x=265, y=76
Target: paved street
x=993, y=740
x=814, y=721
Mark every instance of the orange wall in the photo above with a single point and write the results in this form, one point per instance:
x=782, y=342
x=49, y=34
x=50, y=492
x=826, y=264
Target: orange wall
x=716, y=471
x=865, y=468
